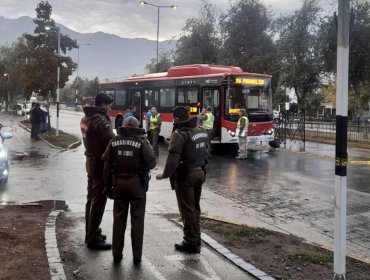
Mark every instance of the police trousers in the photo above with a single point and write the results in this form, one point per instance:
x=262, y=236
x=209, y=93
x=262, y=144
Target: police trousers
x=128, y=192
x=96, y=199
x=188, y=194
x=154, y=136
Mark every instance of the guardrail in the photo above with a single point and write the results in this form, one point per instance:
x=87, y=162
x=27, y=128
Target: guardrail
x=295, y=128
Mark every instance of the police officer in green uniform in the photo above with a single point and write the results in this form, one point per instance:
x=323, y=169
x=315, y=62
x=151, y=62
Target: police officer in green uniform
x=127, y=161
x=96, y=132
x=186, y=167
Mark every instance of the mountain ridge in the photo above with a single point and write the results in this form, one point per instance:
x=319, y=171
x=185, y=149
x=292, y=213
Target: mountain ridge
x=102, y=55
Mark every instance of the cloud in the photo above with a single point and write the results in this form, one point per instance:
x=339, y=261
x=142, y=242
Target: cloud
x=127, y=18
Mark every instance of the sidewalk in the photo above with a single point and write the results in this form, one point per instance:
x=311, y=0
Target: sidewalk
x=160, y=260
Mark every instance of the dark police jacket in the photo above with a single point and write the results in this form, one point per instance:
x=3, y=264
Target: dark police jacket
x=128, y=154
x=188, y=148
x=96, y=131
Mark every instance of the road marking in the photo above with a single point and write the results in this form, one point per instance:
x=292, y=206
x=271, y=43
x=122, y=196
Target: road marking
x=177, y=259
x=152, y=269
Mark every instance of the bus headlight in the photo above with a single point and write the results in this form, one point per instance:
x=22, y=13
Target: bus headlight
x=270, y=131
x=232, y=133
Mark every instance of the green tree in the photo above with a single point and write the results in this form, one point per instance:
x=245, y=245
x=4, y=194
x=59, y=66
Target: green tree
x=11, y=62
x=40, y=72
x=246, y=37
x=165, y=61
x=199, y=42
x=298, y=50
x=85, y=87
x=359, y=53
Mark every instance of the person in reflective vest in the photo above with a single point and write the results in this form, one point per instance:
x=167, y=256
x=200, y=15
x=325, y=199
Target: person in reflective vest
x=242, y=133
x=186, y=168
x=208, y=122
x=127, y=161
x=155, y=122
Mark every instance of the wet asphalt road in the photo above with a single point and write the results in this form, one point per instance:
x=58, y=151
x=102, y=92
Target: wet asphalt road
x=283, y=190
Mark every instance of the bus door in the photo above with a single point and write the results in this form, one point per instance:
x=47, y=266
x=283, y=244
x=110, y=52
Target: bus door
x=211, y=97
x=136, y=94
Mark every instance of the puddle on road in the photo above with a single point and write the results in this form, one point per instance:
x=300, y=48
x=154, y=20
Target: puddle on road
x=50, y=204
x=19, y=156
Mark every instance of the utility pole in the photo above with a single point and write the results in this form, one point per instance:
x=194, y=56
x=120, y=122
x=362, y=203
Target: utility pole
x=341, y=157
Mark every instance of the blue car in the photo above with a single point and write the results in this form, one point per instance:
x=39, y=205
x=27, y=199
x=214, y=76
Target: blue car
x=4, y=158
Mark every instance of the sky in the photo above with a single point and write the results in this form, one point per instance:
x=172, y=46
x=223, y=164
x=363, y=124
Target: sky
x=129, y=19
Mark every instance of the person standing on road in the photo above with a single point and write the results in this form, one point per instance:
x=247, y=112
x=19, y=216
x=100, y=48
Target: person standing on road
x=186, y=167
x=127, y=161
x=155, y=123
x=36, y=117
x=242, y=132
x=96, y=132
x=208, y=122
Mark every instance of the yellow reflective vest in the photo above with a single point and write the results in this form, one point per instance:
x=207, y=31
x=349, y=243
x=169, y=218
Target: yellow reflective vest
x=153, y=121
x=208, y=123
x=245, y=130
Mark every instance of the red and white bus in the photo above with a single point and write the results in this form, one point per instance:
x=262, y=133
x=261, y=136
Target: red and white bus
x=226, y=89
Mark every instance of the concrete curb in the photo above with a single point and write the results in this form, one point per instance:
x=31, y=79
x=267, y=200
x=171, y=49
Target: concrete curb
x=247, y=267
x=51, y=245
x=72, y=146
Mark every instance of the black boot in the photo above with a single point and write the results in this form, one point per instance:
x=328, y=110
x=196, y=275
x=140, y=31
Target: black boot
x=187, y=248
x=117, y=259
x=99, y=245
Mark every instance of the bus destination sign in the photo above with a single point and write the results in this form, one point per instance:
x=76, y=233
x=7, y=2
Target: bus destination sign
x=250, y=81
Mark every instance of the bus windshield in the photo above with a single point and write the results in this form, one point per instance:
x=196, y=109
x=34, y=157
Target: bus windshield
x=249, y=93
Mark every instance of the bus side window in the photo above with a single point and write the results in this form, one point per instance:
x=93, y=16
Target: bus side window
x=151, y=98
x=167, y=97
x=120, y=98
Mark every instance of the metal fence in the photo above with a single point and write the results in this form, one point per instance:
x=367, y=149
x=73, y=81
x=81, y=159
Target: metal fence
x=296, y=127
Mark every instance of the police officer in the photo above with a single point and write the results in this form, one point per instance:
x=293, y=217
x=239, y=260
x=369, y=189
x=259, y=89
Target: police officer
x=186, y=166
x=128, y=159
x=96, y=132
x=155, y=122
x=242, y=132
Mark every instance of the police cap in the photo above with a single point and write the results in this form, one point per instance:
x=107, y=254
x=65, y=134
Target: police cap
x=180, y=114
x=103, y=98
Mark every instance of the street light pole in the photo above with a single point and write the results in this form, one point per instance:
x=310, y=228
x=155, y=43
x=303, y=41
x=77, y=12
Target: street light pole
x=58, y=74
x=78, y=67
x=158, y=8
x=58, y=78
x=8, y=97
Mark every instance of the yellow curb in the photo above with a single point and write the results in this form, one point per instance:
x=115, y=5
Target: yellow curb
x=365, y=162
x=353, y=256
